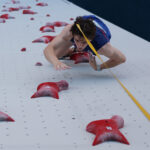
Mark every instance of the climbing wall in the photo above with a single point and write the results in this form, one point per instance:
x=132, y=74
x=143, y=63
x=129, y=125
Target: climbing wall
x=47, y=123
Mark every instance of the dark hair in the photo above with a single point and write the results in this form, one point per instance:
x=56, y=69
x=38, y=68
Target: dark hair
x=87, y=26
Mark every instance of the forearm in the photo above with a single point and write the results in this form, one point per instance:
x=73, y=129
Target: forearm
x=50, y=55
x=109, y=64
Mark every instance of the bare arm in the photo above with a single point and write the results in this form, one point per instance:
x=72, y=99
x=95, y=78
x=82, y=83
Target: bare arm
x=115, y=57
x=51, y=51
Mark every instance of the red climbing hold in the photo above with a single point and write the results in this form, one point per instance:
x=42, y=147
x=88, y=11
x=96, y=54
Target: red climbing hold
x=107, y=129
x=41, y=4
x=6, y=16
x=44, y=39
x=50, y=89
x=47, y=29
x=13, y=9
x=71, y=19
x=23, y=49
x=48, y=15
x=38, y=64
x=80, y=57
x=26, y=11
x=60, y=24
x=5, y=117
x=32, y=18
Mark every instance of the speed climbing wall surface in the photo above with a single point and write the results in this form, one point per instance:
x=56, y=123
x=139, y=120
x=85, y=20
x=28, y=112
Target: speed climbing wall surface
x=47, y=123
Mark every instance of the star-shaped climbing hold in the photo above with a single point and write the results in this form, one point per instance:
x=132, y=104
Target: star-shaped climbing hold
x=107, y=129
x=50, y=89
